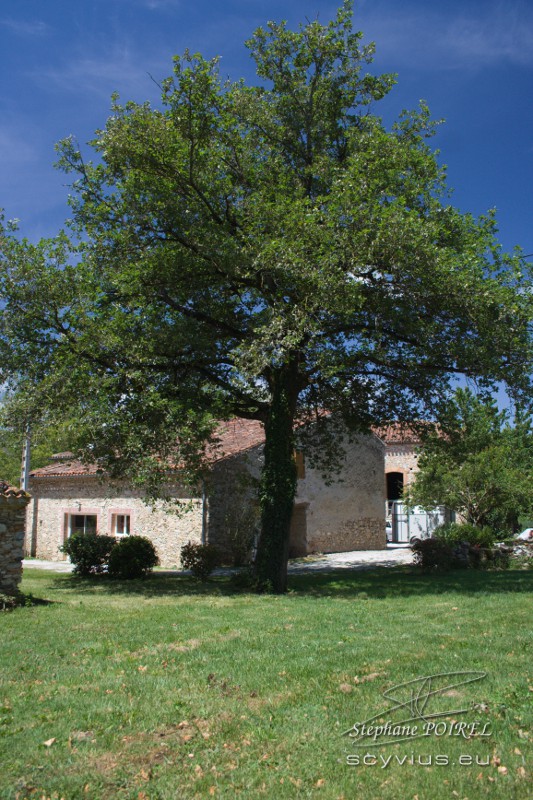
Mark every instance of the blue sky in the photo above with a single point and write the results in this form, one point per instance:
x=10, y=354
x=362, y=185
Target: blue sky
x=471, y=60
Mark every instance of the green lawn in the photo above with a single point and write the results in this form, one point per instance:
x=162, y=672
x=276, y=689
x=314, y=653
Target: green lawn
x=167, y=689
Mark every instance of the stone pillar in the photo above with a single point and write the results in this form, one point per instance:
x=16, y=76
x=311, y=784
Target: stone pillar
x=13, y=504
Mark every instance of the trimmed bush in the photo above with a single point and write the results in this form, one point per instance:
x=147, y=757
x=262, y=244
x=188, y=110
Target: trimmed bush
x=132, y=557
x=89, y=552
x=201, y=559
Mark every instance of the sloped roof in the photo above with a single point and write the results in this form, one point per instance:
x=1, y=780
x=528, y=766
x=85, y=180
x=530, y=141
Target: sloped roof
x=233, y=437
x=398, y=433
x=236, y=436
x=71, y=468
x=7, y=491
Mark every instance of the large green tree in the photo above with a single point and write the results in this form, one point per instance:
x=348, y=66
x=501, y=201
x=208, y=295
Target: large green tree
x=46, y=438
x=477, y=462
x=263, y=251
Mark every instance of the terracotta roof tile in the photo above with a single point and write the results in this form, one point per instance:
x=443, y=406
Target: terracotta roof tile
x=66, y=469
x=398, y=433
x=8, y=491
x=236, y=436
x=233, y=437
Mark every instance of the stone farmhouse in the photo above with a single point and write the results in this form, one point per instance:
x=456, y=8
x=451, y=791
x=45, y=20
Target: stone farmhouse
x=68, y=496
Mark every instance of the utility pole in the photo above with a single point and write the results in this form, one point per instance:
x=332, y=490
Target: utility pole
x=25, y=470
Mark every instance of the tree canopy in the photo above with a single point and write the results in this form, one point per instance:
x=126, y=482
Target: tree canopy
x=478, y=462
x=48, y=437
x=269, y=252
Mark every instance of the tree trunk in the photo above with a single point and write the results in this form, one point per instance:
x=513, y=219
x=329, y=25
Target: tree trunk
x=278, y=487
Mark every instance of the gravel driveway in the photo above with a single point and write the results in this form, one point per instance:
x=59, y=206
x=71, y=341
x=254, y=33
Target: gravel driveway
x=358, y=559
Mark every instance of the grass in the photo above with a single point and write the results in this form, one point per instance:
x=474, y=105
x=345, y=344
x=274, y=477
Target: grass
x=168, y=689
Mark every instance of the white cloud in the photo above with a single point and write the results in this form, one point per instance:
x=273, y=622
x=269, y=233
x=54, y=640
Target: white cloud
x=499, y=33
x=25, y=28
x=102, y=74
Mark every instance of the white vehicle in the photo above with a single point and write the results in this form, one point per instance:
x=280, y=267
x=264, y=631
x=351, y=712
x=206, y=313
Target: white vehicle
x=526, y=535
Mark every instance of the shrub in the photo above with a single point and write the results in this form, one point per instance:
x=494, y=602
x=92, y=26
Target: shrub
x=89, y=552
x=455, y=533
x=201, y=559
x=433, y=554
x=132, y=557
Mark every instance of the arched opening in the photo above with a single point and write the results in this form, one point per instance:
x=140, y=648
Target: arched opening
x=394, y=486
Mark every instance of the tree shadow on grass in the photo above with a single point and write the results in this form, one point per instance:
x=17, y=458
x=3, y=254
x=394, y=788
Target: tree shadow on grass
x=402, y=581
x=407, y=581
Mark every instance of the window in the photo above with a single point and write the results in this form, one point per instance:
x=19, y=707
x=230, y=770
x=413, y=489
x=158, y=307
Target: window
x=82, y=523
x=120, y=524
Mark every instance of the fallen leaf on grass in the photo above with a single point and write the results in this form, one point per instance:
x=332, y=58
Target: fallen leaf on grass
x=320, y=783
x=502, y=770
x=49, y=742
x=345, y=687
x=522, y=772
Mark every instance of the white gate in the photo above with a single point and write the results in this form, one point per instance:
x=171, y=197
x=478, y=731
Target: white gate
x=415, y=523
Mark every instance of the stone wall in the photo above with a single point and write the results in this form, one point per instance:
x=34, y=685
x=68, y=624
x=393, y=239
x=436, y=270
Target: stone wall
x=54, y=499
x=404, y=459
x=13, y=504
x=367, y=533
x=232, y=500
x=348, y=514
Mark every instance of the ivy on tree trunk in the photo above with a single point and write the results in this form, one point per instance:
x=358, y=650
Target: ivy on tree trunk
x=278, y=486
